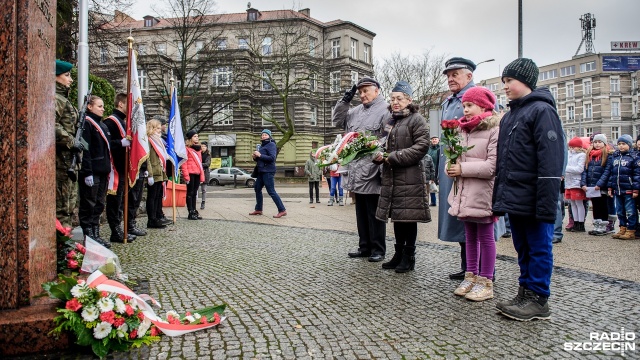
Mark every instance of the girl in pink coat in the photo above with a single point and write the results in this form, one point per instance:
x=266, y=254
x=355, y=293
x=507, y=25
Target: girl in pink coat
x=476, y=172
x=192, y=172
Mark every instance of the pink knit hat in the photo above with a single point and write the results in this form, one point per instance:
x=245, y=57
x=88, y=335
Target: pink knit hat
x=480, y=96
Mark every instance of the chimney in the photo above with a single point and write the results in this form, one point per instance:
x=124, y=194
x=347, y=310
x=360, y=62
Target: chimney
x=306, y=12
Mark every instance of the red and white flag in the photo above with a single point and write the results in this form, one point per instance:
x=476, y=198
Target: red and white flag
x=136, y=124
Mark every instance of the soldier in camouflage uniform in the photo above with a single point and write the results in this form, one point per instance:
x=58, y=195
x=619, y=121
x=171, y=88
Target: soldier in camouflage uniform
x=66, y=117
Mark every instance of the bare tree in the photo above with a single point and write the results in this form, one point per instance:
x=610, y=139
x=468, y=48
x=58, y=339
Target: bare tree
x=283, y=69
x=423, y=72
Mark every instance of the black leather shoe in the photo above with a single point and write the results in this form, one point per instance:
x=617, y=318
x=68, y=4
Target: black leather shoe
x=136, y=231
x=457, y=276
x=376, y=258
x=155, y=224
x=358, y=254
x=556, y=241
x=165, y=221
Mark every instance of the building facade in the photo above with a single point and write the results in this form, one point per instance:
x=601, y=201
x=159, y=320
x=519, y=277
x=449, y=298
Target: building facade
x=594, y=93
x=237, y=74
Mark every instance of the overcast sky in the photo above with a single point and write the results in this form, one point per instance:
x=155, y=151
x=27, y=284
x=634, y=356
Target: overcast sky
x=478, y=30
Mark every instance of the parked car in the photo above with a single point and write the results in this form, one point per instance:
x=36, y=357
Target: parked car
x=225, y=175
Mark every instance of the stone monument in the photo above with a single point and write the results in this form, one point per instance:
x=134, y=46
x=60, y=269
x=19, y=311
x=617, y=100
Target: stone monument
x=27, y=146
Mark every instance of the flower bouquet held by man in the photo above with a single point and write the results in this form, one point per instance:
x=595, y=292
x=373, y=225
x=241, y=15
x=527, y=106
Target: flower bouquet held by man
x=345, y=149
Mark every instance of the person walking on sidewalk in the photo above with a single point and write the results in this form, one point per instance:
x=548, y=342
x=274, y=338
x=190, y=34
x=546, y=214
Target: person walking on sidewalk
x=434, y=153
x=595, y=166
x=623, y=171
x=529, y=170
x=470, y=199
x=192, y=172
x=573, y=191
x=363, y=176
x=265, y=157
x=404, y=194
x=313, y=172
x=336, y=185
x=206, y=163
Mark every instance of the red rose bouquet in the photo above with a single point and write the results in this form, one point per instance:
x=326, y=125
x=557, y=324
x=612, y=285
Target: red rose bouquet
x=453, y=148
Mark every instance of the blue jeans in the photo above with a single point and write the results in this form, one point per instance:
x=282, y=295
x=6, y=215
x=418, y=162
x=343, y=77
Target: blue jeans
x=532, y=241
x=627, y=214
x=557, y=227
x=336, y=181
x=267, y=180
x=433, y=199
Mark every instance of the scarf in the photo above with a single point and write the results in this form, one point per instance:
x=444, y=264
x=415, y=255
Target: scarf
x=401, y=114
x=595, y=154
x=468, y=125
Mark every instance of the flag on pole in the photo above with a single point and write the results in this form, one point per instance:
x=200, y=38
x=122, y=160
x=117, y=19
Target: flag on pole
x=176, y=147
x=136, y=125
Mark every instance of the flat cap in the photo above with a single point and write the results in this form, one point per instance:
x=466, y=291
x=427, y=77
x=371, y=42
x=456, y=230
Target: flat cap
x=367, y=81
x=459, y=63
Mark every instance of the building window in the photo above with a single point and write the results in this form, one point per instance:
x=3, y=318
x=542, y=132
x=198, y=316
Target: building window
x=354, y=77
x=142, y=49
x=569, y=90
x=634, y=107
x=367, y=54
x=161, y=48
x=589, y=132
x=634, y=83
x=223, y=115
x=122, y=51
x=588, y=66
x=193, y=80
x=554, y=92
x=335, y=48
x=549, y=74
x=354, y=49
x=267, y=48
x=334, y=80
x=222, y=76
x=243, y=44
x=221, y=44
x=314, y=115
x=571, y=112
x=253, y=16
x=615, y=132
x=586, y=87
x=503, y=100
x=148, y=22
x=179, y=51
x=588, y=111
x=312, y=46
x=104, y=55
x=615, y=85
x=313, y=82
x=142, y=79
x=267, y=112
x=494, y=87
x=265, y=85
x=615, y=109
x=568, y=70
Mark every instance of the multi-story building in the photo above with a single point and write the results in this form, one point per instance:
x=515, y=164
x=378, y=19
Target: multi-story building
x=234, y=72
x=594, y=93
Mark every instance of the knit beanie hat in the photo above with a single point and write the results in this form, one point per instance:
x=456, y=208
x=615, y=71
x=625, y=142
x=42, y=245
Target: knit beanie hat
x=190, y=134
x=575, y=142
x=266, y=131
x=626, y=139
x=523, y=70
x=600, y=137
x=480, y=96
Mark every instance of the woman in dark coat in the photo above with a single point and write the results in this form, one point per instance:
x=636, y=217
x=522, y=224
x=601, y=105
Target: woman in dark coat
x=404, y=197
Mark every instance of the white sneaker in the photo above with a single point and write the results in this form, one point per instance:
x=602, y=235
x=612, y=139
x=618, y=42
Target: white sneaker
x=466, y=285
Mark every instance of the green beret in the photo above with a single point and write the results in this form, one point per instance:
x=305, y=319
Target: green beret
x=62, y=67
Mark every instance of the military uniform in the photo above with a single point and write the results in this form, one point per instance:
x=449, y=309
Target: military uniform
x=66, y=192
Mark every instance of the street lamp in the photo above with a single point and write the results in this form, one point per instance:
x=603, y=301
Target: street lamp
x=485, y=61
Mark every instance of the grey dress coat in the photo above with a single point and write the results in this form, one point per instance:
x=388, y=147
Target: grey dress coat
x=404, y=196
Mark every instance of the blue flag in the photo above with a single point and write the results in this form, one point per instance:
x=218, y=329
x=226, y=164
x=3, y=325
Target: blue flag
x=176, y=147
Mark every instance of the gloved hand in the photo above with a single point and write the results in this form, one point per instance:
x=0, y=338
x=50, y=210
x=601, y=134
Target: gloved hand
x=150, y=180
x=77, y=147
x=125, y=142
x=349, y=94
x=89, y=180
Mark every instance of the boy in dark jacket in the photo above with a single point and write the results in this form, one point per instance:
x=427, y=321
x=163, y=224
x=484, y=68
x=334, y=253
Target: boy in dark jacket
x=623, y=172
x=527, y=184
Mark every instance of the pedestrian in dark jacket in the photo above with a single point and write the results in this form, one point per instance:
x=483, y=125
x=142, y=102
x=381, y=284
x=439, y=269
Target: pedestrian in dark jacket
x=403, y=195
x=623, y=171
x=265, y=157
x=595, y=166
x=206, y=163
x=434, y=153
x=527, y=185
x=95, y=172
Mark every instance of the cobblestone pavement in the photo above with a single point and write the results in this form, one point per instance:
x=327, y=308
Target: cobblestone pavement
x=292, y=292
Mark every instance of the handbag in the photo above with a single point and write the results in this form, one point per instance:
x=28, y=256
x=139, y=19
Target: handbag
x=433, y=188
x=255, y=173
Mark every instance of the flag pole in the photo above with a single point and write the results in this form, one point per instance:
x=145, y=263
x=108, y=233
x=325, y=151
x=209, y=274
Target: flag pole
x=128, y=134
x=175, y=166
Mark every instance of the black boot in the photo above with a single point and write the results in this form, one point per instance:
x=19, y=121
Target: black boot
x=192, y=215
x=202, y=205
x=130, y=236
x=135, y=230
x=98, y=238
x=155, y=224
x=197, y=215
x=395, y=260
x=117, y=235
x=408, y=262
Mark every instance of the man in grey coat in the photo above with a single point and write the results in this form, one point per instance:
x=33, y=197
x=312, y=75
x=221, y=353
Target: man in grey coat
x=363, y=176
